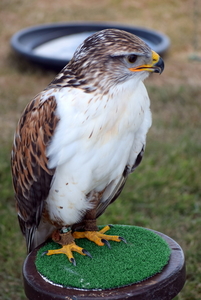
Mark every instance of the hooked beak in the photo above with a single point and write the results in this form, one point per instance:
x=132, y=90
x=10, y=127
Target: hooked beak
x=156, y=66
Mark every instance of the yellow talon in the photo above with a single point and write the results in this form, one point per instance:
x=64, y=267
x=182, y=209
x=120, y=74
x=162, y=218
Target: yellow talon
x=68, y=244
x=67, y=250
x=98, y=237
x=104, y=229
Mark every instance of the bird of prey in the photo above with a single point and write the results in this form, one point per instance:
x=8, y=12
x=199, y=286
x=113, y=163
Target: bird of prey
x=79, y=139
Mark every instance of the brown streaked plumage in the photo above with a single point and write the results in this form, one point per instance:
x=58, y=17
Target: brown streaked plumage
x=31, y=175
x=83, y=73
x=79, y=139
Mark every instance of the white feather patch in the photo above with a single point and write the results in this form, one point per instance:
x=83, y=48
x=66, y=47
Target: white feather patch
x=97, y=136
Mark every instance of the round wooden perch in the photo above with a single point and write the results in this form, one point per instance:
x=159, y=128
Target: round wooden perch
x=163, y=286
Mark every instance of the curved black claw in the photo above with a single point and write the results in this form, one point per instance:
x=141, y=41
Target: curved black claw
x=110, y=225
x=45, y=252
x=72, y=260
x=87, y=253
x=122, y=239
x=106, y=243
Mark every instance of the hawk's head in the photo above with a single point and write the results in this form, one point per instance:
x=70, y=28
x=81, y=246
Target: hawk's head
x=109, y=57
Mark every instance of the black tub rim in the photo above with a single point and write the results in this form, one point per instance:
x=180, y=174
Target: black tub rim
x=25, y=40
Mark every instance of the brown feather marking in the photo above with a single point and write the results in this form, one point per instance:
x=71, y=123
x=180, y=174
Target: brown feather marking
x=31, y=176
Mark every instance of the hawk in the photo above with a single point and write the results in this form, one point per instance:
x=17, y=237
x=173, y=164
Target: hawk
x=79, y=139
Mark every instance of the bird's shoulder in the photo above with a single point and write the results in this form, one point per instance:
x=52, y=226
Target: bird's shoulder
x=36, y=126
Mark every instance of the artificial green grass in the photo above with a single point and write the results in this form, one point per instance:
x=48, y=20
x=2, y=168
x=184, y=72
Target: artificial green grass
x=144, y=255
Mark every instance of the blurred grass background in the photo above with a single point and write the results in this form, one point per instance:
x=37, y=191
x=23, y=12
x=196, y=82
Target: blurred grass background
x=164, y=193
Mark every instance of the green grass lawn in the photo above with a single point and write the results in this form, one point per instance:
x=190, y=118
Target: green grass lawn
x=164, y=192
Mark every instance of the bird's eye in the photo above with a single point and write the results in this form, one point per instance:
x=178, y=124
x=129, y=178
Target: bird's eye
x=132, y=58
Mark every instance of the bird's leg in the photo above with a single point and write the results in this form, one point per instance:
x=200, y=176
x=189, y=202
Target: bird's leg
x=91, y=230
x=65, y=238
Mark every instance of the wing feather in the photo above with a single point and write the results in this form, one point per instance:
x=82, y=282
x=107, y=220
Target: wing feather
x=116, y=189
x=31, y=175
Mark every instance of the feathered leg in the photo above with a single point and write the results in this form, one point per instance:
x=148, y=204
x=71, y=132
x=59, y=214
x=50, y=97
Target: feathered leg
x=66, y=237
x=90, y=227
